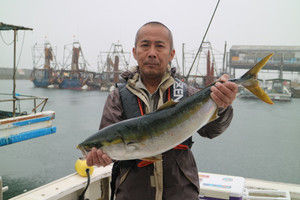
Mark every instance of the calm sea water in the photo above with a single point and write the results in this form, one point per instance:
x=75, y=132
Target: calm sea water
x=262, y=142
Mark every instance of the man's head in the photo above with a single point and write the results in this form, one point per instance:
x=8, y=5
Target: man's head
x=154, y=23
x=153, y=49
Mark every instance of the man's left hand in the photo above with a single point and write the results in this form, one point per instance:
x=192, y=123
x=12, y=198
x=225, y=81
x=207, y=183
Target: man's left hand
x=224, y=92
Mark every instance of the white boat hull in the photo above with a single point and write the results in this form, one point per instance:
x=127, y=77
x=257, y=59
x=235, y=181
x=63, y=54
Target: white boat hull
x=16, y=129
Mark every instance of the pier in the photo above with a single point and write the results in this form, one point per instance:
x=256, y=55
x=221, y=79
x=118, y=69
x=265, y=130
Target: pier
x=285, y=58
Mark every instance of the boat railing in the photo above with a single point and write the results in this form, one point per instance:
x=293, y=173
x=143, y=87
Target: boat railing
x=39, y=103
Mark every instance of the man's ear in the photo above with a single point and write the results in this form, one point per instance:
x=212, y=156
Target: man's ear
x=134, y=52
x=172, y=54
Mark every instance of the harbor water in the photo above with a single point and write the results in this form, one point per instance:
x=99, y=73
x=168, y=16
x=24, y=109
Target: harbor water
x=263, y=141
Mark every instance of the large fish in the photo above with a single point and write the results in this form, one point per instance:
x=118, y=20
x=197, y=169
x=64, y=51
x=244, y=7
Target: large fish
x=154, y=133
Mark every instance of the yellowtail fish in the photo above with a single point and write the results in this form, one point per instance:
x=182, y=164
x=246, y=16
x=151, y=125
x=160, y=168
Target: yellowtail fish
x=159, y=131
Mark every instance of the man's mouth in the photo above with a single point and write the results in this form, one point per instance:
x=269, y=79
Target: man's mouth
x=151, y=63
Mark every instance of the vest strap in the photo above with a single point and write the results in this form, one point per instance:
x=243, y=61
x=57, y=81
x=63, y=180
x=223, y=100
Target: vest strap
x=140, y=106
x=144, y=163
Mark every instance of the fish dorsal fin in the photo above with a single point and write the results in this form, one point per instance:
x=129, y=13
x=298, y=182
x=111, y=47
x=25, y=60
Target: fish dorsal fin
x=167, y=105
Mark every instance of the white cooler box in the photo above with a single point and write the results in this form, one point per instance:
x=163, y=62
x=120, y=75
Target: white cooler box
x=214, y=187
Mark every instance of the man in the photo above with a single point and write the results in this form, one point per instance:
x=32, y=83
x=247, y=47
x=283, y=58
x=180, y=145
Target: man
x=148, y=87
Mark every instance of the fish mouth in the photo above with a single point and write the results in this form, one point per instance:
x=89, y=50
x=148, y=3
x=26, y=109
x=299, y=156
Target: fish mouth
x=82, y=158
x=83, y=151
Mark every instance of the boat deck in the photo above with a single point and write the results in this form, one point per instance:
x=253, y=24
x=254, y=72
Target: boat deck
x=70, y=187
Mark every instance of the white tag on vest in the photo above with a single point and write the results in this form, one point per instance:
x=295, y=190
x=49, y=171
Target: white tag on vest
x=177, y=91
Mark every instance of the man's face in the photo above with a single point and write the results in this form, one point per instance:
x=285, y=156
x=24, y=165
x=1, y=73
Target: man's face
x=152, y=51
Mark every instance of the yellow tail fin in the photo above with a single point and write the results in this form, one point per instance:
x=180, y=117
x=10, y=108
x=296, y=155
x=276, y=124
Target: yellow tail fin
x=252, y=84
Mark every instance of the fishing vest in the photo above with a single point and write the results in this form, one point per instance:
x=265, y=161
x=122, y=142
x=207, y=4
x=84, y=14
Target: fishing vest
x=134, y=107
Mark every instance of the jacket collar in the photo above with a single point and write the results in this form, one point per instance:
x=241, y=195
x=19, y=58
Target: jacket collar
x=133, y=77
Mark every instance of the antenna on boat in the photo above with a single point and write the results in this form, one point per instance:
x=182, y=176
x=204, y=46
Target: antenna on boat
x=200, y=48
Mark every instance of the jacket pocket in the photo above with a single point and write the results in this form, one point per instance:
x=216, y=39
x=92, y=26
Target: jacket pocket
x=188, y=167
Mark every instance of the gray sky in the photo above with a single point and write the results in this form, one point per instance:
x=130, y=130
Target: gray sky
x=96, y=24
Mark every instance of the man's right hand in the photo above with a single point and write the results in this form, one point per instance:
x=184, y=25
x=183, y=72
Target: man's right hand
x=98, y=158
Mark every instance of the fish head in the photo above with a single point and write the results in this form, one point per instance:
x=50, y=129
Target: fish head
x=108, y=145
x=86, y=146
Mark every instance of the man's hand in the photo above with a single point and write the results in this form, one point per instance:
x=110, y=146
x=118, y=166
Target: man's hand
x=98, y=158
x=224, y=92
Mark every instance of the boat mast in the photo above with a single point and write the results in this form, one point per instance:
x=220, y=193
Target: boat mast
x=224, y=56
x=14, y=73
x=7, y=27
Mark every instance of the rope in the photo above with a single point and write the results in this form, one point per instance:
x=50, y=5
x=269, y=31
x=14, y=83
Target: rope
x=12, y=43
x=7, y=43
x=21, y=49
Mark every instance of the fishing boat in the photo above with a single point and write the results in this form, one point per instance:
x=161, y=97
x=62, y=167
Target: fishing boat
x=74, y=74
x=111, y=64
x=296, y=92
x=279, y=89
x=195, y=77
x=17, y=124
x=212, y=186
x=45, y=67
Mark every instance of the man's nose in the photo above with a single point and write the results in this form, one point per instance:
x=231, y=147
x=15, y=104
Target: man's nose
x=152, y=52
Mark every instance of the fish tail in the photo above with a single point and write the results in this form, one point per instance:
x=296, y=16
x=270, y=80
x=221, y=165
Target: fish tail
x=250, y=82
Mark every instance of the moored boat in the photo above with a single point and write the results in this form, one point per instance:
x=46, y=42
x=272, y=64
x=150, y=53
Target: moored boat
x=74, y=74
x=44, y=74
x=20, y=126
x=111, y=64
x=17, y=124
x=296, y=92
x=278, y=89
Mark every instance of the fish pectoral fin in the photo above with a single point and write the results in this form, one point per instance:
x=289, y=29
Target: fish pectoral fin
x=153, y=158
x=167, y=105
x=132, y=146
x=214, y=116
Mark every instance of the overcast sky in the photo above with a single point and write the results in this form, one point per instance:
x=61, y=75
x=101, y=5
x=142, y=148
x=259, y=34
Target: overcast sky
x=96, y=24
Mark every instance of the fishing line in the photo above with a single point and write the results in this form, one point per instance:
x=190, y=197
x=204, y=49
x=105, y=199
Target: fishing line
x=200, y=48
